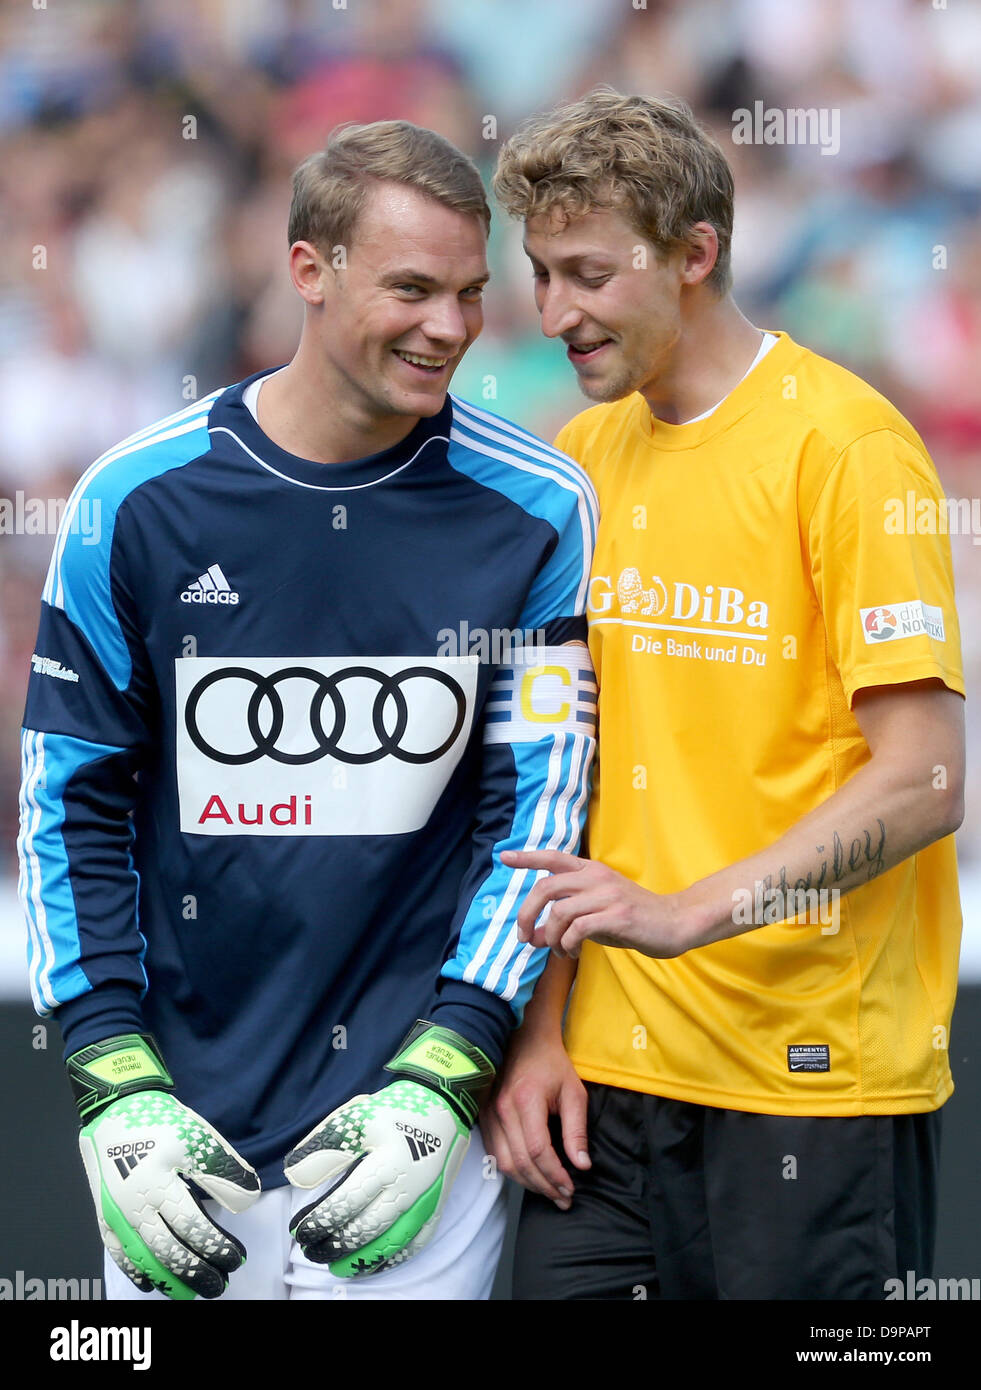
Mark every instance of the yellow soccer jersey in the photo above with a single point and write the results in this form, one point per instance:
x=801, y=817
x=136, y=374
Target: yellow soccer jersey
x=751, y=574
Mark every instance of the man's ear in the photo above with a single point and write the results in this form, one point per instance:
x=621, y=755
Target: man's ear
x=701, y=253
x=308, y=271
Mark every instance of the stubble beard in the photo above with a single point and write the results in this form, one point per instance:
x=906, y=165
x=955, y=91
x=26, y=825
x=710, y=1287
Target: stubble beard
x=612, y=388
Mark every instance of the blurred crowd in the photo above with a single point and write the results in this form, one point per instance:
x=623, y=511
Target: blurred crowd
x=146, y=148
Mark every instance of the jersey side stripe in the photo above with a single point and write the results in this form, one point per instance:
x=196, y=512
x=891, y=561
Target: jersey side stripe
x=118, y=450
x=88, y=601
x=569, y=846
x=510, y=941
x=485, y=476
x=203, y=406
x=531, y=840
x=53, y=590
x=29, y=879
x=50, y=761
x=562, y=467
x=505, y=431
x=558, y=838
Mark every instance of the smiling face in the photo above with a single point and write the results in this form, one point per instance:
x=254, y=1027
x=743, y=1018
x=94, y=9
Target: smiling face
x=607, y=293
x=398, y=318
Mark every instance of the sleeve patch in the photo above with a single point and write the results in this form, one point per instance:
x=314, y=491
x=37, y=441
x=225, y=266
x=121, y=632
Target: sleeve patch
x=893, y=621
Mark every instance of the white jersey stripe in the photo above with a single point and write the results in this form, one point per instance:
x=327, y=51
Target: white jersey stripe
x=514, y=978
x=53, y=589
x=42, y=952
x=200, y=409
x=517, y=878
x=23, y=838
x=327, y=487
x=517, y=970
x=562, y=805
x=557, y=839
x=585, y=515
x=504, y=431
x=563, y=468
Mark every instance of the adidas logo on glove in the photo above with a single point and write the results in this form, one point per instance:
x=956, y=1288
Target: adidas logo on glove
x=423, y=1134
x=421, y=1143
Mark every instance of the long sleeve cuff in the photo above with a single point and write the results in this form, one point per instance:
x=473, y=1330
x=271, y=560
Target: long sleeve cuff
x=481, y=1017
x=99, y=1014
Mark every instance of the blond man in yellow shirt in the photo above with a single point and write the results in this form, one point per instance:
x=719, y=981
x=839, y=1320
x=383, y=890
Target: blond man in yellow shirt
x=767, y=929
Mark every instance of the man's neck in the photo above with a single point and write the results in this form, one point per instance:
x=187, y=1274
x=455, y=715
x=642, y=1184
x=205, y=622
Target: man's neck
x=303, y=412
x=714, y=352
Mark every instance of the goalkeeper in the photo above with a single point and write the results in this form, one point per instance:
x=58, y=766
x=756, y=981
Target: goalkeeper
x=325, y=663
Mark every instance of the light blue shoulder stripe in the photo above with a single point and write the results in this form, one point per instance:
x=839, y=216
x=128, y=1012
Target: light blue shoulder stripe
x=543, y=488
x=488, y=430
x=495, y=426
x=78, y=577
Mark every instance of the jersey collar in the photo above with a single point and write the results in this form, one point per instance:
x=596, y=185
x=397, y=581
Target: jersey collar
x=233, y=426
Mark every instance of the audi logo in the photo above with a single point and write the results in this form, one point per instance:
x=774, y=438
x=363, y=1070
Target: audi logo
x=265, y=697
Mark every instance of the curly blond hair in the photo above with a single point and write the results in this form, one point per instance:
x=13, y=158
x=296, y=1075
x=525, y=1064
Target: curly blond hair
x=646, y=158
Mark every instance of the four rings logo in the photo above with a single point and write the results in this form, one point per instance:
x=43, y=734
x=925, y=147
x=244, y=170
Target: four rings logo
x=266, y=696
x=318, y=745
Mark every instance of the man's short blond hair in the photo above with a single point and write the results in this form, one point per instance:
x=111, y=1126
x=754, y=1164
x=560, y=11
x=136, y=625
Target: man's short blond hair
x=330, y=187
x=646, y=158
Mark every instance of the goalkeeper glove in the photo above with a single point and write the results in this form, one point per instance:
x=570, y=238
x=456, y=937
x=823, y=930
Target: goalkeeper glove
x=395, y=1154
x=139, y=1144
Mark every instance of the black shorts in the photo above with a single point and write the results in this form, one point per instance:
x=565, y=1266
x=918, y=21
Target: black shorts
x=692, y=1202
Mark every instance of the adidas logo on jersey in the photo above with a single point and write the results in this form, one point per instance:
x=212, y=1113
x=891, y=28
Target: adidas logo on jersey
x=210, y=587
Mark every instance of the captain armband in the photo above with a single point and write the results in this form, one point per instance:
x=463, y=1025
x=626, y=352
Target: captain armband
x=541, y=691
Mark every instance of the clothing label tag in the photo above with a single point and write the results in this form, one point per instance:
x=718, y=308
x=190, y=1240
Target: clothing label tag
x=809, y=1057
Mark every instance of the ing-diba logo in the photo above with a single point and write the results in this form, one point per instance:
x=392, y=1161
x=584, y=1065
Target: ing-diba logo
x=677, y=602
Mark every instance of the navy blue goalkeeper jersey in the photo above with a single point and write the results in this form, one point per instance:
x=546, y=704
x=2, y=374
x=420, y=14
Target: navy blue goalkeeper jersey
x=282, y=718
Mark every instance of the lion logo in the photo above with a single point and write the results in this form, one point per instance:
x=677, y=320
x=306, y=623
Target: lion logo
x=634, y=598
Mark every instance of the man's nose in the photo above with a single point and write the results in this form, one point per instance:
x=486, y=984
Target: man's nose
x=558, y=310
x=444, y=322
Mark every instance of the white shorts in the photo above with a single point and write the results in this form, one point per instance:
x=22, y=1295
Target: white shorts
x=458, y=1263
